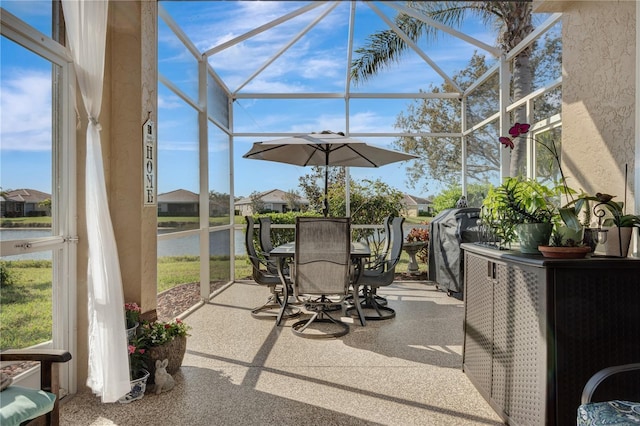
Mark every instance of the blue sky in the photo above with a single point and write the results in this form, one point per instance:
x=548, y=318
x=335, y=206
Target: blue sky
x=315, y=63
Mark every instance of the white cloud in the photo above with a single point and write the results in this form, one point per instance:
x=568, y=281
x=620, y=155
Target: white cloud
x=26, y=110
x=169, y=102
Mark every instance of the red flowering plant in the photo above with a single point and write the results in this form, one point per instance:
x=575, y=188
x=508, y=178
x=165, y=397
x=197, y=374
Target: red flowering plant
x=158, y=333
x=419, y=235
x=568, y=215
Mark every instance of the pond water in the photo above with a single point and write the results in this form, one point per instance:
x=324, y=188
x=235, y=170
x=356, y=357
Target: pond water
x=176, y=247
x=183, y=246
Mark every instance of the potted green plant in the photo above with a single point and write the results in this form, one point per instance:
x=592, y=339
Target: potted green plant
x=132, y=319
x=533, y=202
x=520, y=209
x=620, y=228
x=164, y=340
x=578, y=210
x=138, y=373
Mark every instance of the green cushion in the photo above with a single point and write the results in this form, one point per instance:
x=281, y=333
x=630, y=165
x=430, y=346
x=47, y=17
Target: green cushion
x=18, y=404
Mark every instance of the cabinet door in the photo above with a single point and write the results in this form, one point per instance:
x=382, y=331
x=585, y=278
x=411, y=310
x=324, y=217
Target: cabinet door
x=519, y=356
x=478, y=321
x=597, y=325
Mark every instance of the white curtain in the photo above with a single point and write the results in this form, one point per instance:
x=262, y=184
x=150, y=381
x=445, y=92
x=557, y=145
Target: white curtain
x=108, y=376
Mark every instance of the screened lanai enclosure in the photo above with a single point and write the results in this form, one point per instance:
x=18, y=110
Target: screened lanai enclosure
x=230, y=75
x=233, y=73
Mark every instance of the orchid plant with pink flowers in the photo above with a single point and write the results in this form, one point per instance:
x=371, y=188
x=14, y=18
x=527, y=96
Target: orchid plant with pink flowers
x=568, y=215
x=519, y=130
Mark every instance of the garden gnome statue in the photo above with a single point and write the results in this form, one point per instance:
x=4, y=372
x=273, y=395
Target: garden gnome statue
x=164, y=381
x=462, y=202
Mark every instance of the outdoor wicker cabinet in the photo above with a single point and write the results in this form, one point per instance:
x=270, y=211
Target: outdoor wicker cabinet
x=536, y=329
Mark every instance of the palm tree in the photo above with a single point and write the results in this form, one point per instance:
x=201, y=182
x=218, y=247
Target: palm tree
x=513, y=22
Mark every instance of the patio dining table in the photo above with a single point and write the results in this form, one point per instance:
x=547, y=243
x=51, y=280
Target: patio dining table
x=281, y=253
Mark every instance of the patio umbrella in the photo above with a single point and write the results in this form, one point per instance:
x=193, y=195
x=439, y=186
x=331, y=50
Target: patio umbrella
x=325, y=149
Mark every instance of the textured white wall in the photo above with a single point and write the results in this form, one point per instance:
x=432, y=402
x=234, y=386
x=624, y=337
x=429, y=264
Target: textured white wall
x=599, y=99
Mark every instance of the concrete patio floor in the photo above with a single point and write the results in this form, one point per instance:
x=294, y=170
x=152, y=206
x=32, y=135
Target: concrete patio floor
x=244, y=371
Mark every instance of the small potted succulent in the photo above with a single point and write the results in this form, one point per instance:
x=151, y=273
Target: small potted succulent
x=561, y=248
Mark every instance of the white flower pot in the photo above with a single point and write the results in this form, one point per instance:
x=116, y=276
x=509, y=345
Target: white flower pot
x=138, y=387
x=617, y=243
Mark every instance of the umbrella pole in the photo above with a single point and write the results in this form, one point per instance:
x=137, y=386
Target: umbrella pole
x=325, y=209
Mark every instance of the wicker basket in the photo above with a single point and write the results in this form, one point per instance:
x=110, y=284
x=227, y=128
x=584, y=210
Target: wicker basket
x=173, y=351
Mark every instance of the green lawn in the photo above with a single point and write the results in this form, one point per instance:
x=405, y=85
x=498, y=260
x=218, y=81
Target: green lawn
x=25, y=314
x=25, y=317
x=25, y=222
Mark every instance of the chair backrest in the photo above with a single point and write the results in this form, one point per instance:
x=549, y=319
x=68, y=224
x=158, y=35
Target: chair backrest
x=265, y=234
x=323, y=255
x=386, y=224
x=397, y=239
x=258, y=274
x=385, y=274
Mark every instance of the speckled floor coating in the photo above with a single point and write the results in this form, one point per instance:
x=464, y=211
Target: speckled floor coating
x=243, y=371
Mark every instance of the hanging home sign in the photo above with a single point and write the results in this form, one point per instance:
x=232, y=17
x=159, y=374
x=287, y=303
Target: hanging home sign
x=149, y=163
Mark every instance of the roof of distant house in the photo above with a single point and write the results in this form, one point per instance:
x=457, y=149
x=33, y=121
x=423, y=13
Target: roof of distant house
x=26, y=195
x=273, y=196
x=178, y=196
x=412, y=200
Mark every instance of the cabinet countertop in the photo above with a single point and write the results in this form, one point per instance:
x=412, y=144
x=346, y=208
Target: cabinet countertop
x=591, y=261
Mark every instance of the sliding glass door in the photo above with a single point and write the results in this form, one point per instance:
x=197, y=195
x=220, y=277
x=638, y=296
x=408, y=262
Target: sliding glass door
x=37, y=179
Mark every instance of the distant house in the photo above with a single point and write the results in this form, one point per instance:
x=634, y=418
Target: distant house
x=25, y=202
x=416, y=206
x=178, y=203
x=274, y=200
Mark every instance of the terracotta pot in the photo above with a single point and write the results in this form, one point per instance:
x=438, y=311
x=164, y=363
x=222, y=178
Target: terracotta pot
x=564, y=252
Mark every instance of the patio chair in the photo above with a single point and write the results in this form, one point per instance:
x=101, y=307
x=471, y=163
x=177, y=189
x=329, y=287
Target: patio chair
x=378, y=261
x=617, y=412
x=265, y=234
x=20, y=405
x=261, y=274
x=378, y=275
x=322, y=273
x=265, y=243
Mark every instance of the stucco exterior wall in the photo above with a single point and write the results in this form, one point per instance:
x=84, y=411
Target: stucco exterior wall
x=129, y=95
x=598, y=111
